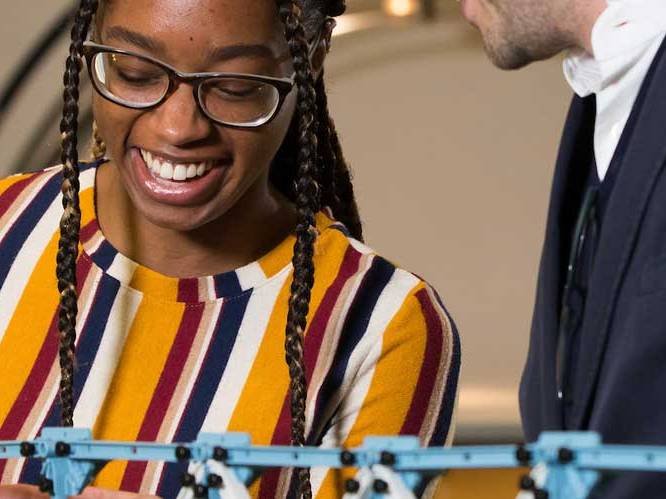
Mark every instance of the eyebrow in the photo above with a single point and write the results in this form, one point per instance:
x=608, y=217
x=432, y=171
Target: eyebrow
x=218, y=54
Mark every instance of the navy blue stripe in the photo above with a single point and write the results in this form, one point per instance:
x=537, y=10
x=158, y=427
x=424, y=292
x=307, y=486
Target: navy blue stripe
x=25, y=224
x=227, y=284
x=219, y=351
x=446, y=413
x=356, y=324
x=104, y=255
x=89, y=342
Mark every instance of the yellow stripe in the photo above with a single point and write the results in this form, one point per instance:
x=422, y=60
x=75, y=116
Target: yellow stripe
x=139, y=368
x=260, y=403
x=279, y=257
x=7, y=182
x=154, y=284
x=396, y=374
x=23, y=339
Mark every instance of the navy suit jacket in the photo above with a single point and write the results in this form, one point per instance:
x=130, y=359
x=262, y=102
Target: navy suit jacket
x=619, y=387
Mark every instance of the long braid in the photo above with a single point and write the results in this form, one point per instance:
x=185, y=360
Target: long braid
x=337, y=189
x=306, y=200
x=68, y=245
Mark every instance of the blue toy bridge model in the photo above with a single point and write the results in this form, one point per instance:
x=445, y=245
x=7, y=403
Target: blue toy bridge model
x=224, y=465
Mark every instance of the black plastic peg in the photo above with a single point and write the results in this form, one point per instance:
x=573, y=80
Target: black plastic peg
x=45, y=485
x=214, y=481
x=523, y=456
x=62, y=449
x=526, y=483
x=352, y=486
x=540, y=494
x=187, y=480
x=387, y=458
x=220, y=454
x=347, y=458
x=28, y=449
x=565, y=455
x=200, y=491
x=380, y=486
x=183, y=453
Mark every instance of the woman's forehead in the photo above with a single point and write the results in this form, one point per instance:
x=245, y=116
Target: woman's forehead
x=216, y=22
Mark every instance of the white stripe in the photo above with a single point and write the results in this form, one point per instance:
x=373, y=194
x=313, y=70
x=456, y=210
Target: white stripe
x=30, y=253
x=250, y=275
x=250, y=335
x=36, y=186
x=122, y=268
x=121, y=317
x=362, y=362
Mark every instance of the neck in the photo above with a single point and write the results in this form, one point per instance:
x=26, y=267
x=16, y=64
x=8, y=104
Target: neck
x=242, y=235
x=586, y=15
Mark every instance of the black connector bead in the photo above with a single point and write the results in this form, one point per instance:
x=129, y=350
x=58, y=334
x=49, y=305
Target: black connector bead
x=45, y=485
x=200, y=491
x=564, y=455
x=62, y=449
x=347, y=458
x=187, y=479
x=387, y=458
x=380, y=486
x=526, y=483
x=540, y=494
x=220, y=454
x=28, y=449
x=523, y=456
x=183, y=453
x=215, y=481
x=352, y=486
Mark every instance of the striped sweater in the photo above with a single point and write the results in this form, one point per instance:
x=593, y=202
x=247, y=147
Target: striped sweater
x=162, y=358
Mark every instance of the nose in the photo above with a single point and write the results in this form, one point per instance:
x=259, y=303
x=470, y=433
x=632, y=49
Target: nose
x=179, y=121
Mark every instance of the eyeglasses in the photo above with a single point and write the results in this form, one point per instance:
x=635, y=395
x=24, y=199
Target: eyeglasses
x=141, y=82
x=575, y=288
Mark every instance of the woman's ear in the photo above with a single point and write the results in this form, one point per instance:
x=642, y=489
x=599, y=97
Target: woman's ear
x=322, y=48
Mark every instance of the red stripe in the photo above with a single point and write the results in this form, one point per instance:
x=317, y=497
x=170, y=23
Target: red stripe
x=164, y=391
x=431, y=362
x=312, y=346
x=9, y=196
x=188, y=290
x=36, y=380
x=88, y=231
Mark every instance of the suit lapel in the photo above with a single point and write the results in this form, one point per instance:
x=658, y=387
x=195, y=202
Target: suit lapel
x=641, y=165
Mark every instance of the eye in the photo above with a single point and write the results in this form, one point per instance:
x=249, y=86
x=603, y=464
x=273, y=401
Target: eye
x=238, y=89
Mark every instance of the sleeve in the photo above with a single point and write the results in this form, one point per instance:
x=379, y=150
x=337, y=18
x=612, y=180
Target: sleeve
x=406, y=385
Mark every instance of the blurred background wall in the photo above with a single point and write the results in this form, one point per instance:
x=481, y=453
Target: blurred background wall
x=452, y=161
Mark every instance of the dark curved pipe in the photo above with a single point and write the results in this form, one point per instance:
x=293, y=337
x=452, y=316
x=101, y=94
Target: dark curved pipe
x=32, y=59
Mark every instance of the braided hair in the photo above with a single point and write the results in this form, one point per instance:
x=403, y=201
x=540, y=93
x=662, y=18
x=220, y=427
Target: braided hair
x=309, y=169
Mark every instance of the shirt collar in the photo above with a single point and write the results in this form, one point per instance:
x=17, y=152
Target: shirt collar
x=619, y=37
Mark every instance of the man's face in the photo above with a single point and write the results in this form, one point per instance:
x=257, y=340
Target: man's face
x=518, y=32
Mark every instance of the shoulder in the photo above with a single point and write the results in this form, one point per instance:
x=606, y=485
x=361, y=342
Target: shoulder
x=31, y=195
x=382, y=294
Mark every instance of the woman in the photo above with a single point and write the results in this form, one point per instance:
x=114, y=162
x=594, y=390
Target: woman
x=220, y=233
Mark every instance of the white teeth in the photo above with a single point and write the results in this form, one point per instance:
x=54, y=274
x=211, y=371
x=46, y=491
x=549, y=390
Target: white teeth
x=180, y=172
x=175, y=171
x=166, y=171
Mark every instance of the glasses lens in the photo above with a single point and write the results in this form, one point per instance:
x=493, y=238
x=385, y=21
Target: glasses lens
x=129, y=79
x=239, y=101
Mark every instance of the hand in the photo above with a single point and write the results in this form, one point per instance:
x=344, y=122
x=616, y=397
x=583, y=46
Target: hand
x=32, y=492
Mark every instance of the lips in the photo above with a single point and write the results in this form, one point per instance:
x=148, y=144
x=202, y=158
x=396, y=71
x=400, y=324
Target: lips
x=186, y=183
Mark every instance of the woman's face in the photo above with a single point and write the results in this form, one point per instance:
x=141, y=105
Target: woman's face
x=238, y=36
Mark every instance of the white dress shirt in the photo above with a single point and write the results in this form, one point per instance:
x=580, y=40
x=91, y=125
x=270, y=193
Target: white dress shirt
x=625, y=40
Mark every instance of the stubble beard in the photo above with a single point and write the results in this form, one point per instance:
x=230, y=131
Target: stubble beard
x=520, y=32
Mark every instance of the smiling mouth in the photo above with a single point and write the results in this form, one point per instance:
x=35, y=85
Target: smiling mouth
x=176, y=172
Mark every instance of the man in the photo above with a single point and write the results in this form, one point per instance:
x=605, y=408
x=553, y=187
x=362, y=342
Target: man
x=597, y=356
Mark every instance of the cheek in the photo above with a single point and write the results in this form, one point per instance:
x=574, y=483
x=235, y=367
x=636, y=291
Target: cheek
x=258, y=147
x=114, y=123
